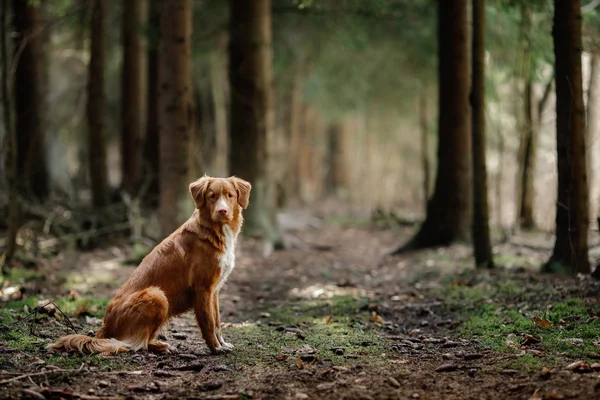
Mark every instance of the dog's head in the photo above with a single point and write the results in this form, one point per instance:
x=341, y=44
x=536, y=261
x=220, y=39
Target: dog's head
x=221, y=198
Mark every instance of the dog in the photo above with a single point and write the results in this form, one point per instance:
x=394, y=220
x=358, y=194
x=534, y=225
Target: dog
x=184, y=272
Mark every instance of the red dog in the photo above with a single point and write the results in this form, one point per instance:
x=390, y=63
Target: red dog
x=185, y=271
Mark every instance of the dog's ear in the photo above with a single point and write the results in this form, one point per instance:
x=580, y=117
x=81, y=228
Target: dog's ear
x=243, y=191
x=198, y=190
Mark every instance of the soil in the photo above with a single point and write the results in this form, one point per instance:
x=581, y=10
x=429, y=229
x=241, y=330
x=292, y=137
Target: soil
x=422, y=355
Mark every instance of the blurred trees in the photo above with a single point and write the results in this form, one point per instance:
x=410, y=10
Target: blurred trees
x=334, y=103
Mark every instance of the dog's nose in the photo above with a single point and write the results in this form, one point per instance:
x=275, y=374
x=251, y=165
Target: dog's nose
x=222, y=211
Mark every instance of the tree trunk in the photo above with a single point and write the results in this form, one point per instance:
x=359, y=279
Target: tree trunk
x=571, y=248
x=527, y=159
x=134, y=92
x=593, y=133
x=151, y=142
x=295, y=132
x=11, y=166
x=449, y=211
x=526, y=154
x=337, y=178
x=96, y=106
x=251, y=121
x=425, y=164
x=220, y=100
x=482, y=246
x=176, y=114
x=29, y=99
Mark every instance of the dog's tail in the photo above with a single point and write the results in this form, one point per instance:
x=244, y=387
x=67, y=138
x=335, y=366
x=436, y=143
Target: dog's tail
x=88, y=345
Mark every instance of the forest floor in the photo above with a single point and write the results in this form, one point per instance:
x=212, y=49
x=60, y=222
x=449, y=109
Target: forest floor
x=331, y=318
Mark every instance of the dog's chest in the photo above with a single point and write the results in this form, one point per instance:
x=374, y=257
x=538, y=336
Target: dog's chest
x=227, y=258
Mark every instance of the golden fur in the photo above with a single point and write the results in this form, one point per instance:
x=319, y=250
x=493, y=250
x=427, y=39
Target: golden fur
x=180, y=274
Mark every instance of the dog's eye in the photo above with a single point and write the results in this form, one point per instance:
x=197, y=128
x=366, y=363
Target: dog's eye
x=211, y=196
x=230, y=195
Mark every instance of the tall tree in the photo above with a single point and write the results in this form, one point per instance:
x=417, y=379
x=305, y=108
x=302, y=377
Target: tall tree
x=571, y=246
x=252, y=120
x=176, y=115
x=526, y=154
x=30, y=98
x=11, y=166
x=481, y=230
x=449, y=210
x=96, y=106
x=134, y=92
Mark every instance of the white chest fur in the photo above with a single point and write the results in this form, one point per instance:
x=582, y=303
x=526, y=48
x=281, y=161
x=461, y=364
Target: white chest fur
x=227, y=259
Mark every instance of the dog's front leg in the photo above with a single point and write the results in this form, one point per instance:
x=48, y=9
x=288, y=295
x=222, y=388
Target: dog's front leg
x=205, y=316
x=218, y=322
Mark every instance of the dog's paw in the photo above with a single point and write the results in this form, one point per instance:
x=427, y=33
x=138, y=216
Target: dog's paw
x=227, y=345
x=221, y=350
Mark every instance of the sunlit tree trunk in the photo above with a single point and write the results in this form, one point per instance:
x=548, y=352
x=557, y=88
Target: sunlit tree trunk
x=571, y=246
x=482, y=246
x=134, y=92
x=251, y=121
x=151, y=142
x=30, y=98
x=10, y=135
x=96, y=106
x=176, y=113
x=593, y=133
x=449, y=210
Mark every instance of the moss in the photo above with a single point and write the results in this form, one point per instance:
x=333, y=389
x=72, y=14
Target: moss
x=320, y=325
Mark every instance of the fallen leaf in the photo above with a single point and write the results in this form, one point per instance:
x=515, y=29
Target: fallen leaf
x=536, y=395
x=73, y=295
x=299, y=363
x=553, y=396
x=545, y=373
x=82, y=310
x=394, y=382
x=531, y=339
x=446, y=368
x=326, y=386
x=327, y=319
x=377, y=319
x=541, y=323
x=282, y=357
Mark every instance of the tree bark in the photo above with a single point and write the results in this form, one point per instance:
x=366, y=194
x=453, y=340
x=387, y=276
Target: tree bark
x=425, y=164
x=571, y=248
x=295, y=131
x=152, y=142
x=449, y=211
x=526, y=154
x=251, y=121
x=593, y=133
x=11, y=166
x=134, y=92
x=96, y=106
x=482, y=246
x=30, y=99
x=527, y=159
x=176, y=114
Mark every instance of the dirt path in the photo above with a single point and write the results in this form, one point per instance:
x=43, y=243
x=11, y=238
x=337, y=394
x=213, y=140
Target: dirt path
x=332, y=318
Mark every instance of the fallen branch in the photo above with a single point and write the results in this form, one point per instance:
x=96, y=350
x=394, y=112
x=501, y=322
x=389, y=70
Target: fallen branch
x=52, y=371
x=38, y=309
x=48, y=243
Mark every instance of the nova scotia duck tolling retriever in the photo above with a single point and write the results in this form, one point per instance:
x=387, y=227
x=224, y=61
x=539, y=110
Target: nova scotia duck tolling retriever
x=184, y=272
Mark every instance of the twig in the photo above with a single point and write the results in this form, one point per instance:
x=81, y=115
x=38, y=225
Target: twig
x=17, y=378
x=38, y=309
